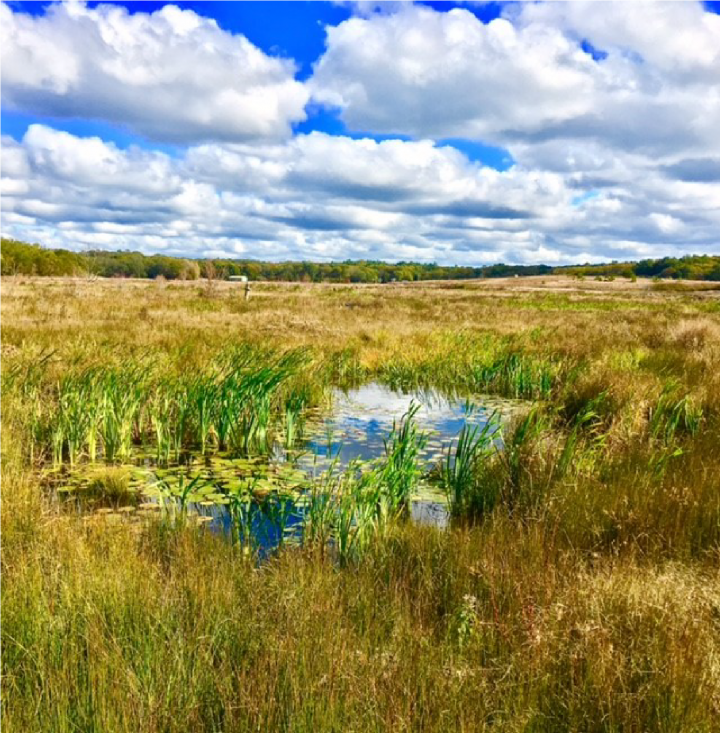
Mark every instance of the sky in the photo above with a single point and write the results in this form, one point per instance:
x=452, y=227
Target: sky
x=457, y=133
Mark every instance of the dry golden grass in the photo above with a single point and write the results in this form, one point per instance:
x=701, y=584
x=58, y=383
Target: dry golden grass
x=593, y=606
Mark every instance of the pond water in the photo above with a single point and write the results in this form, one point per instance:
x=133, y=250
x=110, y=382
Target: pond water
x=353, y=430
x=361, y=420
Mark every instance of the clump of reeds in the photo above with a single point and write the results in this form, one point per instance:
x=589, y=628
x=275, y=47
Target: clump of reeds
x=674, y=415
x=111, y=487
x=461, y=470
x=104, y=412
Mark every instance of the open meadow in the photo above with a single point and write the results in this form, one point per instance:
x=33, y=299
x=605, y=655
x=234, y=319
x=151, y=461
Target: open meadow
x=576, y=585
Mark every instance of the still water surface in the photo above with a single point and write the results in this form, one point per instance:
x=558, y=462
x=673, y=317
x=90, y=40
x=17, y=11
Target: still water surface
x=353, y=429
x=359, y=423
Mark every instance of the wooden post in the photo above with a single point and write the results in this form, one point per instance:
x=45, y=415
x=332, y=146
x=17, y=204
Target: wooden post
x=242, y=279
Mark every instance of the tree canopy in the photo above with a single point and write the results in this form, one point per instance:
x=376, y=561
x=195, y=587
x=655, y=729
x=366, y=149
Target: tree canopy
x=33, y=259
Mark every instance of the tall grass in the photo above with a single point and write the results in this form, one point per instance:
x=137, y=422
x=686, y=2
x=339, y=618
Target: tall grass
x=461, y=471
x=400, y=472
x=107, y=411
x=576, y=590
x=486, y=364
x=673, y=416
x=165, y=641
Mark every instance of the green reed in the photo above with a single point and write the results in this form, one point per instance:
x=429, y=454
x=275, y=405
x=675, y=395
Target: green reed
x=673, y=415
x=107, y=410
x=319, y=511
x=243, y=510
x=202, y=396
x=400, y=471
x=294, y=407
x=122, y=396
x=459, y=472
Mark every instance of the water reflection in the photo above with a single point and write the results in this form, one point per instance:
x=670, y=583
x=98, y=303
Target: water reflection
x=354, y=429
x=362, y=418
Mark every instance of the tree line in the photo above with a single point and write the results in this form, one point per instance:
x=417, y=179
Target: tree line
x=32, y=259
x=690, y=267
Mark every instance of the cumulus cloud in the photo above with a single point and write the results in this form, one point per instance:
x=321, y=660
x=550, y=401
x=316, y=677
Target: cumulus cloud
x=610, y=113
x=170, y=75
x=679, y=39
x=449, y=75
x=620, y=100
x=532, y=77
x=315, y=195
x=326, y=197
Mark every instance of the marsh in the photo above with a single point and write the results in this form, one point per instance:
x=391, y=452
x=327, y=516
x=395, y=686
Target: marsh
x=577, y=581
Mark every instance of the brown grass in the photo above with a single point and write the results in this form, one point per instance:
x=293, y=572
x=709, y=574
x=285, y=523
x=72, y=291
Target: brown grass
x=594, y=606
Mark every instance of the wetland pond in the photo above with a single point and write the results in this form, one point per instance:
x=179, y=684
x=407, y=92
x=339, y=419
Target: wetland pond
x=350, y=434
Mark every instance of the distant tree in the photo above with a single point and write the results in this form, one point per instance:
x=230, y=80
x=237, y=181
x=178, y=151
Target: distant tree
x=209, y=270
x=190, y=270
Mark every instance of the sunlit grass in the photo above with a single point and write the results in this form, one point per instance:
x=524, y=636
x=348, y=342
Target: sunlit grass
x=575, y=589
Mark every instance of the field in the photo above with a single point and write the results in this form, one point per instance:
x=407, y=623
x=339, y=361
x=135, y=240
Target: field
x=577, y=588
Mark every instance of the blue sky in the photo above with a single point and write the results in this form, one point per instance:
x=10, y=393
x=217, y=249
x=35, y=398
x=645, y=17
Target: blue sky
x=459, y=133
x=284, y=28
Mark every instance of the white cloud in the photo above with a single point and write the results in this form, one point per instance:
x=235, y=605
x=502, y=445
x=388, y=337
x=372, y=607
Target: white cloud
x=678, y=38
x=288, y=213
x=614, y=159
x=410, y=175
x=92, y=162
x=323, y=197
x=635, y=130
x=14, y=158
x=449, y=75
x=527, y=79
x=170, y=75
